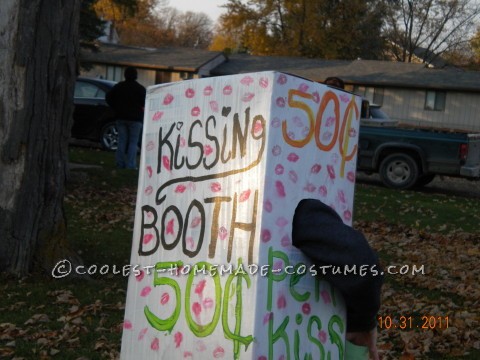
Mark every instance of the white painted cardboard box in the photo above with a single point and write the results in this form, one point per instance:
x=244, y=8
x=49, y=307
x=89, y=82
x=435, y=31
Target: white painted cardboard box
x=224, y=163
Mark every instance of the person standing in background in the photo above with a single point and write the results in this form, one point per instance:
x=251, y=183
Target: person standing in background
x=127, y=98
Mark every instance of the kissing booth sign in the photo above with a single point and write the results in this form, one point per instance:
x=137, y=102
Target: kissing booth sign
x=224, y=163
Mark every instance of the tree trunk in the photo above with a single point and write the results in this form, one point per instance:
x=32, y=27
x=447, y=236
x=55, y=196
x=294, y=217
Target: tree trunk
x=38, y=51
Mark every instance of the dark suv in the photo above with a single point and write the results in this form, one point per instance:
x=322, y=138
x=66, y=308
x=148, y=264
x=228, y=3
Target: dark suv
x=93, y=119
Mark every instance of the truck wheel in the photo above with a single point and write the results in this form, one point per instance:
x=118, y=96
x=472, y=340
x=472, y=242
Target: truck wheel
x=425, y=180
x=109, y=136
x=399, y=171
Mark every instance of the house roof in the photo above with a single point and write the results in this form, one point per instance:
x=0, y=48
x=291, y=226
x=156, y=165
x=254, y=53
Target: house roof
x=165, y=58
x=361, y=72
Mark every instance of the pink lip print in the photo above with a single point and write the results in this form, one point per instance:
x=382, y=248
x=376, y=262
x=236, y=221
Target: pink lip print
x=215, y=187
x=195, y=111
x=247, y=80
x=316, y=97
x=267, y=317
x=166, y=162
x=281, y=302
x=282, y=79
x=149, y=171
x=351, y=176
x=281, y=222
x=347, y=215
x=139, y=277
x=285, y=242
x=267, y=206
x=219, y=352
x=323, y=190
x=208, y=91
x=222, y=233
x=352, y=133
x=280, y=102
x=180, y=189
x=170, y=225
x=316, y=169
x=279, y=169
x=322, y=336
x=280, y=189
x=263, y=82
x=293, y=176
x=344, y=98
x=148, y=190
x=341, y=196
x=265, y=235
x=178, y=337
x=150, y=146
x=326, y=297
x=244, y=195
x=331, y=171
x=213, y=106
x=164, y=298
x=189, y=93
x=292, y=157
x=155, y=344
x=309, y=187
x=306, y=309
x=147, y=238
x=303, y=87
x=276, y=123
x=257, y=127
x=208, y=303
x=145, y=291
x=127, y=325
x=167, y=100
x=247, y=97
x=207, y=149
x=195, y=222
x=227, y=90
x=276, y=150
x=142, y=333
x=200, y=287
x=157, y=116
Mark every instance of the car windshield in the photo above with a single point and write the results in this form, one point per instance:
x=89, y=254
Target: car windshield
x=377, y=113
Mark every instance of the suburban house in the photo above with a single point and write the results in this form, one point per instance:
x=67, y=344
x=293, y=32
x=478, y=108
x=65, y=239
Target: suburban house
x=410, y=93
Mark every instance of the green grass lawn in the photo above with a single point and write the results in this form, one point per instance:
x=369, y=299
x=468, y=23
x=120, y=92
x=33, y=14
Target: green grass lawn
x=42, y=317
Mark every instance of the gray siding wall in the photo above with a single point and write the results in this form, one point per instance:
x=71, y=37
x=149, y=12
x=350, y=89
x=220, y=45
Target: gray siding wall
x=462, y=110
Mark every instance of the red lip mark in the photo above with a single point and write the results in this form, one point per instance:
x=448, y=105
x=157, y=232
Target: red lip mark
x=215, y=187
x=293, y=176
x=142, y=333
x=347, y=215
x=166, y=162
x=351, y=176
x=155, y=344
x=170, y=225
x=147, y=238
x=281, y=222
x=207, y=149
x=341, y=196
x=208, y=303
x=222, y=233
x=149, y=171
x=167, y=100
x=227, y=90
x=263, y=82
x=127, y=325
x=164, y=299
x=208, y=91
x=257, y=127
x=148, y=190
x=140, y=276
x=180, y=189
x=326, y=297
x=244, y=195
x=352, y=133
x=316, y=169
x=267, y=205
x=285, y=242
x=279, y=169
x=292, y=157
x=218, y=352
x=196, y=308
x=150, y=146
x=280, y=102
x=267, y=318
x=157, y=116
x=177, y=338
x=145, y=291
x=247, y=80
x=247, y=97
x=213, y=106
x=303, y=87
x=200, y=287
x=331, y=171
x=310, y=188
x=276, y=150
x=195, y=222
x=280, y=189
x=190, y=93
x=281, y=302
x=306, y=309
x=316, y=97
x=323, y=190
x=195, y=111
x=282, y=79
x=266, y=236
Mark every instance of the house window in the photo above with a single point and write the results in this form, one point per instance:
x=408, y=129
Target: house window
x=114, y=73
x=378, y=96
x=435, y=100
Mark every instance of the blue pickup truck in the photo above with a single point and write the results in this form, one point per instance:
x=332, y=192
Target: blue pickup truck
x=407, y=157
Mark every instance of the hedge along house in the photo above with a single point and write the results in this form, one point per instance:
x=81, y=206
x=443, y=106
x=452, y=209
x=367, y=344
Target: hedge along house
x=155, y=66
x=410, y=93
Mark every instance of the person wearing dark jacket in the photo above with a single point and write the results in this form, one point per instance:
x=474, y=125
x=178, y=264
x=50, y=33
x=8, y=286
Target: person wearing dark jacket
x=127, y=98
x=319, y=232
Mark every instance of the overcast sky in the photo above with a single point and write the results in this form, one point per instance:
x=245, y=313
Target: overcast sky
x=209, y=7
